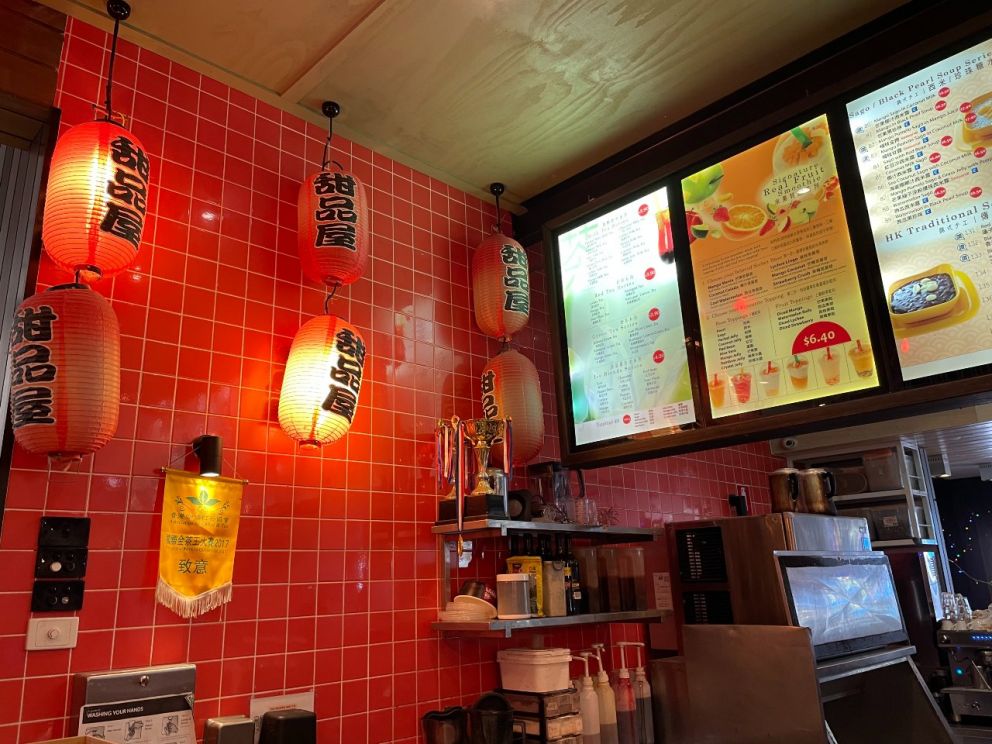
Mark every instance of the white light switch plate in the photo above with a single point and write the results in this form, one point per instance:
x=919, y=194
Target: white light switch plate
x=51, y=633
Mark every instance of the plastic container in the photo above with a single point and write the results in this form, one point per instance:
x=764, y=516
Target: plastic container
x=534, y=670
x=589, y=573
x=554, y=589
x=607, y=560
x=633, y=586
x=513, y=596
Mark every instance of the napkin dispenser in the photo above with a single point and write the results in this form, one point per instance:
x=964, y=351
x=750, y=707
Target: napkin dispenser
x=229, y=730
x=293, y=726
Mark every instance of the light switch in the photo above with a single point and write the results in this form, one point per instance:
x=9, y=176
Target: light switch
x=52, y=632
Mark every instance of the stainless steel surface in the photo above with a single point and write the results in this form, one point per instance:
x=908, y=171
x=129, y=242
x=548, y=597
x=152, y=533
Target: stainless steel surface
x=784, y=486
x=90, y=688
x=816, y=491
x=502, y=527
x=229, y=730
x=845, y=666
x=506, y=627
x=93, y=688
x=969, y=701
x=823, y=532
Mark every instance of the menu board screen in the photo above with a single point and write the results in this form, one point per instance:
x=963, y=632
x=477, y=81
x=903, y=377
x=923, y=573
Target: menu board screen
x=781, y=316
x=627, y=360
x=922, y=151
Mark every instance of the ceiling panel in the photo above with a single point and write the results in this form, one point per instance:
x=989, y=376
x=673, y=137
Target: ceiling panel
x=479, y=90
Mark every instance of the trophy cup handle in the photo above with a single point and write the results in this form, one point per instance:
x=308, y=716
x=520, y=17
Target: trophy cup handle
x=459, y=478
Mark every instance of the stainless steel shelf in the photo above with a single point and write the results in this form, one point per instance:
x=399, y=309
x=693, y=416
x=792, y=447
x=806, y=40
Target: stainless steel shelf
x=505, y=628
x=502, y=527
x=907, y=542
x=851, y=498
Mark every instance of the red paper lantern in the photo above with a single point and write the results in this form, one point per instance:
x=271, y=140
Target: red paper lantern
x=501, y=286
x=512, y=389
x=65, y=378
x=322, y=382
x=333, y=236
x=96, y=200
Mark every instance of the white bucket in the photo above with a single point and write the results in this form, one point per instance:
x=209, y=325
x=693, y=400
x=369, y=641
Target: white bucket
x=534, y=670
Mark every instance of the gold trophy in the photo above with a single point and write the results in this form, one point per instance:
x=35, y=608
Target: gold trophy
x=446, y=452
x=483, y=433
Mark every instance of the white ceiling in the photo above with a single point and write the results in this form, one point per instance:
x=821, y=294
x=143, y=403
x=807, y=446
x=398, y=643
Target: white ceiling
x=527, y=92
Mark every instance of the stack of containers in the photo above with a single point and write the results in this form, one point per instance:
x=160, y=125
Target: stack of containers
x=536, y=683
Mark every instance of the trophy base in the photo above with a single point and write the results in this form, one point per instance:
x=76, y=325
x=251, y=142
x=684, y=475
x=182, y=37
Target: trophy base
x=489, y=505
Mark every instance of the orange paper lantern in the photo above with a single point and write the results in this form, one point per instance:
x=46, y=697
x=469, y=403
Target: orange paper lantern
x=512, y=389
x=333, y=217
x=96, y=200
x=501, y=286
x=65, y=378
x=322, y=382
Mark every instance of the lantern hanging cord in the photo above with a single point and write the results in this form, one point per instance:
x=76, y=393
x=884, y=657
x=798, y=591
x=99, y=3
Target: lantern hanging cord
x=497, y=189
x=329, y=297
x=119, y=11
x=330, y=109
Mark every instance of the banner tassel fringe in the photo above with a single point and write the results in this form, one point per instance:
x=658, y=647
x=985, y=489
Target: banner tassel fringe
x=189, y=607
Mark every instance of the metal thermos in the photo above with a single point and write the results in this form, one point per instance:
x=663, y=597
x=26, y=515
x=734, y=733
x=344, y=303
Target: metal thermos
x=784, y=484
x=816, y=491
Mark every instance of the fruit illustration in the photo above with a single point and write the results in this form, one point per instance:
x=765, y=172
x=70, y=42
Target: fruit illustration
x=702, y=185
x=804, y=212
x=743, y=220
x=693, y=221
x=804, y=145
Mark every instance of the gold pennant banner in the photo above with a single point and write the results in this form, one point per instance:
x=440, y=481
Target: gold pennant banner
x=199, y=538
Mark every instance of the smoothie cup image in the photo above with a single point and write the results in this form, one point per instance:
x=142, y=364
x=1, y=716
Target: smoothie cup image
x=798, y=372
x=742, y=386
x=770, y=378
x=862, y=359
x=718, y=391
x=830, y=367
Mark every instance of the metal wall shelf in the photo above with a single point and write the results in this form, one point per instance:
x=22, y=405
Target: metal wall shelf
x=505, y=628
x=502, y=527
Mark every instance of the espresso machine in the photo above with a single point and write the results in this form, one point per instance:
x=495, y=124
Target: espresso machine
x=969, y=654
x=473, y=490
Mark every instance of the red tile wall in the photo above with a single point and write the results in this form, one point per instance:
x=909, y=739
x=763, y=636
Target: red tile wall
x=336, y=573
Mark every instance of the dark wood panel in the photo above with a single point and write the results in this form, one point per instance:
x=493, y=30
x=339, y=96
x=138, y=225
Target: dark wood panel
x=872, y=51
x=30, y=51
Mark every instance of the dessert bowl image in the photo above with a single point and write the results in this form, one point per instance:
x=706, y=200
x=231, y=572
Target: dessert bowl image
x=804, y=145
x=925, y=297
x=978, y=131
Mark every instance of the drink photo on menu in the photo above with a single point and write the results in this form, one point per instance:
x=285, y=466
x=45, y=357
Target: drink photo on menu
x=780, y=309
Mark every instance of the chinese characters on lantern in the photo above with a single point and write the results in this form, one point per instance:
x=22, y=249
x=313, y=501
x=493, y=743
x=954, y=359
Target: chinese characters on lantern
x=128, y=192
x=490, y=409
x=31, y=402
x=335, y=215
x=515, y=279
x=347, y=373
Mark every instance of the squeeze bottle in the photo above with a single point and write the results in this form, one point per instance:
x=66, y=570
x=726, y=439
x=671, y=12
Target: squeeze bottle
x=626, y=704
x=588, y=704
x=642, y=696
x=607, y=702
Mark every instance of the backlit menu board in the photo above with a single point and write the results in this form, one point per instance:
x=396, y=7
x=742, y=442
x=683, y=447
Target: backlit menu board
x=627, y=359
x=781, y=316
x=922, y=151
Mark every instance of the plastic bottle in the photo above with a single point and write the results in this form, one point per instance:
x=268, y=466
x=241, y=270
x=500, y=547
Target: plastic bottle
x=607, y=702
x=626, y=703
x=642, y=696
x=588, y=704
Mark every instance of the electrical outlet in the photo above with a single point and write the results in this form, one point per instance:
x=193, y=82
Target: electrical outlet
x=64, y=532
x=61, y=563
x=57, y=596
x=52, y=632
